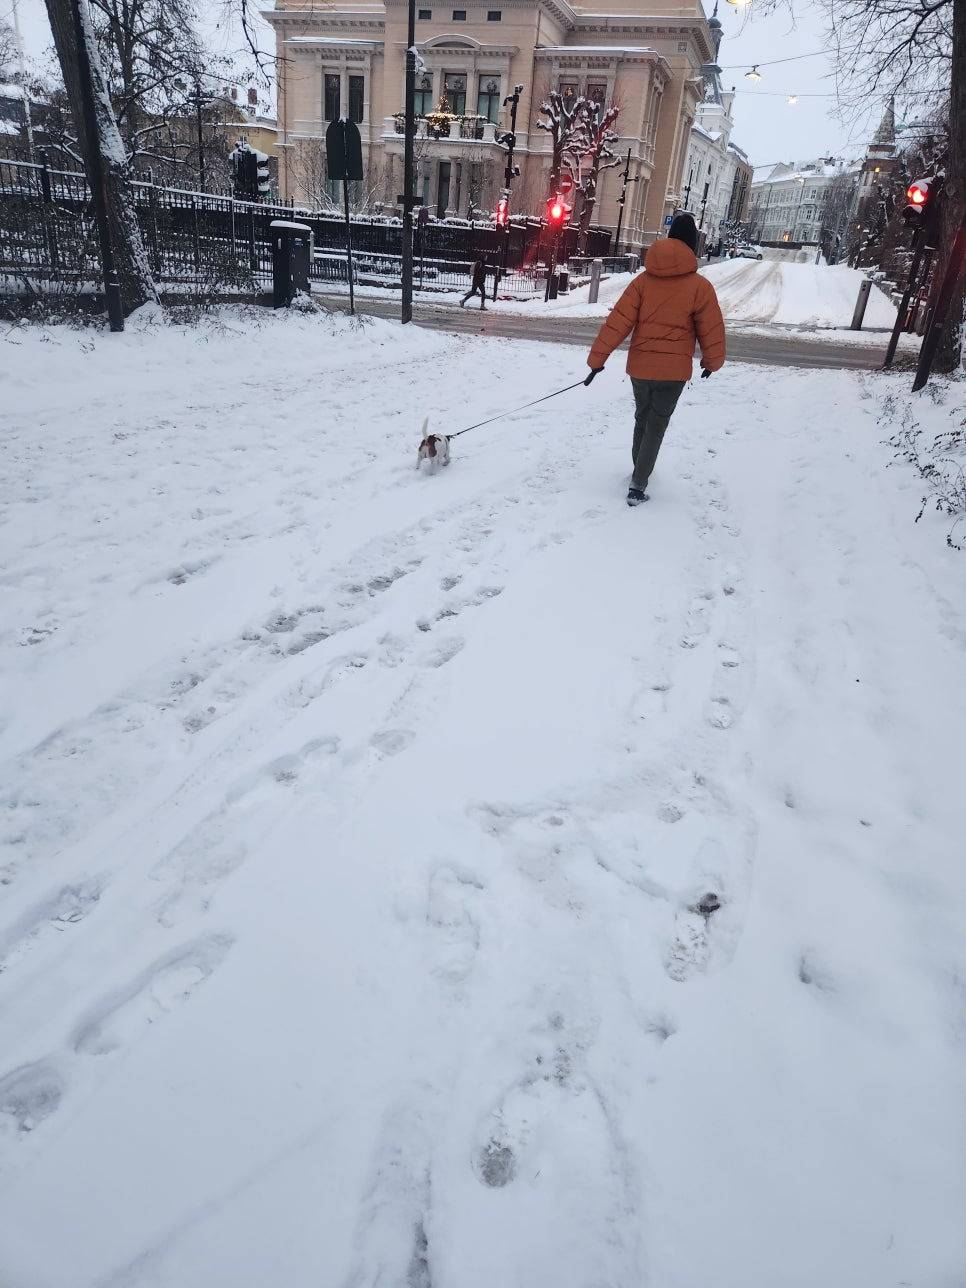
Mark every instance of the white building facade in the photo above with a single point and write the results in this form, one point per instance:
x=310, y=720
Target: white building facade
x=708, y=179
x=787, y=205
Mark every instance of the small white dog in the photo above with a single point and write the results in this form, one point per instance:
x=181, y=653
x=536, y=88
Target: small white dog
x=433, y=450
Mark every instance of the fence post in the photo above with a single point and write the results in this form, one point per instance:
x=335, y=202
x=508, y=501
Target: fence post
x=49, y=224
x=234, y=245
x=194, y=234
x=153, y=224
x=252, y=257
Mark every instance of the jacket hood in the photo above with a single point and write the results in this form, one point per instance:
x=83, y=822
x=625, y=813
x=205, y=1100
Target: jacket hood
x=669, y=257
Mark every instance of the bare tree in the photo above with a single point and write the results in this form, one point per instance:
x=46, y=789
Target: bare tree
x=563, y=124
x=592, y=143
x=9, y=53
x=137, y=286
x=838, y=217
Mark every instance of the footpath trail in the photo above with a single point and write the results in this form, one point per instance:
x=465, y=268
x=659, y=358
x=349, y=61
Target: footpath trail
x=467, y=881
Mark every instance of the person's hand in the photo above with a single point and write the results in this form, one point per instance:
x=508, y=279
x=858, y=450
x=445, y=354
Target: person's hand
x=705, y=373
x=594, y=371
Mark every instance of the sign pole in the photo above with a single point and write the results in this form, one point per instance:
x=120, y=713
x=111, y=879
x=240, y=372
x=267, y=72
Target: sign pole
x=348, y=244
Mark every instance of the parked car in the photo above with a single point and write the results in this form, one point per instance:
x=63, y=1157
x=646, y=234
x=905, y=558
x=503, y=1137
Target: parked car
x=748, y=252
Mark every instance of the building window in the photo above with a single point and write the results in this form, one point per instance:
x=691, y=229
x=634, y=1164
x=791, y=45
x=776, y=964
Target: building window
x=488, y=102
x=568, y=91
x=597, y=91
x=459, y=15
x=424, y=96
x=425, y=15
x=357, y=98
x=494, y=15
x=333, y=96
x=454, y=91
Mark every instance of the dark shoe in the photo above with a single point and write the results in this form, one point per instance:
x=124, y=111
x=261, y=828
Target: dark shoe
x=636, y=496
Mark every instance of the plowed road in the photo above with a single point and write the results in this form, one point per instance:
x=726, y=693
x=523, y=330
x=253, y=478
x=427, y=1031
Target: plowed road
x=784, y=348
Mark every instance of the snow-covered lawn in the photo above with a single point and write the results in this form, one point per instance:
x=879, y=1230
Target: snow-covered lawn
x=466, y=881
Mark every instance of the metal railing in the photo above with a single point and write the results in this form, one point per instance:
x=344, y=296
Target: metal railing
x=47, y=234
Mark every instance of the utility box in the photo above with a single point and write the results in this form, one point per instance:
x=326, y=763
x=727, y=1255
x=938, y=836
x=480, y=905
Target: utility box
x=865, y=290
x=563, y=281
x=291, y=260
x=596, y=268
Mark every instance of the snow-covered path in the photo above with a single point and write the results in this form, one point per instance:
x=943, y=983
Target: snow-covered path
x=465, y=881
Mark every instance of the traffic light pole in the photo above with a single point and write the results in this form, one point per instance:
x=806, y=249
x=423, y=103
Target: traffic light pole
x=409, y=161
x=923, y=245
x=930, y=342
x=508, y=176
x=95, y=169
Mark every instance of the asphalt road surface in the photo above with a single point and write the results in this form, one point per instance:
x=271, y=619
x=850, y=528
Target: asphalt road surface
x=784, y=348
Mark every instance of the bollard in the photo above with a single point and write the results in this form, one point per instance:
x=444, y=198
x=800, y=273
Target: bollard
x=864, y=291
x=595, y=271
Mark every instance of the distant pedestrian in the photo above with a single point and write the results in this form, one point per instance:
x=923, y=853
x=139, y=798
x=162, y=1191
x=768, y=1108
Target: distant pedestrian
x=667, y=307
x=478, y=284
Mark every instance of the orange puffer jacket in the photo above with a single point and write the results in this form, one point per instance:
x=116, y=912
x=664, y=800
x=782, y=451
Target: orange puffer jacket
x=667, y=307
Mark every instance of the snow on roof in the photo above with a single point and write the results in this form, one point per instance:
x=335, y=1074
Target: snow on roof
x=595, y=49
x=330, y=40
x=9, y=127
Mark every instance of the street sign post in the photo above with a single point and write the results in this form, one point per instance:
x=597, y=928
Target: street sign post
x=343, y=159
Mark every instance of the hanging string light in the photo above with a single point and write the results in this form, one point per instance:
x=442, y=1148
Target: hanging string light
x=754, y=74
x=792, y=100
x=739, y=4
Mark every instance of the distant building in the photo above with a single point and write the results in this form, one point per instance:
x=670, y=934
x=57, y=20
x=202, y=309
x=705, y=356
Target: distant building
x=13, y=122
x=787, y=204
x=714, y=163
x=348, y=59
x=244, y=123
x=881, y=159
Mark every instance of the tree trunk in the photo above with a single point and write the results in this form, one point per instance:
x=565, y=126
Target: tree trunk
x=949, y=353
x=137, y=285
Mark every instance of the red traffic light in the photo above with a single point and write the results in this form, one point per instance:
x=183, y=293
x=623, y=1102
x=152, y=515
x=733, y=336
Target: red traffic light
x=917, y=194
x=556, y=212
x=502, y=213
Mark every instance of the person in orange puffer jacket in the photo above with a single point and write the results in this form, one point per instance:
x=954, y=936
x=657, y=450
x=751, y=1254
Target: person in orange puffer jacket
x=667, y=307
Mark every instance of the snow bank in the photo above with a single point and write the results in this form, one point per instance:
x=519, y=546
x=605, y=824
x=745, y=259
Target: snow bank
x=812, y=295
x=466, y=880
x=753, y=291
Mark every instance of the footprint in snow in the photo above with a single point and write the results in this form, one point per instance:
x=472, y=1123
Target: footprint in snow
x=392, y=741
x=550, y=1145
x=162, y=986
x=53, y=915
x=28, y=1095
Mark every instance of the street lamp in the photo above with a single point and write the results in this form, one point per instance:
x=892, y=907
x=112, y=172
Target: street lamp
x=754, y=74
x=510, y=172
x=627, y=178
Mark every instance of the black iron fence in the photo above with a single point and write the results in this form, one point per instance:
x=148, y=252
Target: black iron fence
x=47, y=234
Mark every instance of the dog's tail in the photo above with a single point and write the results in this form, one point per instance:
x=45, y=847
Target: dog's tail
x=425, y=426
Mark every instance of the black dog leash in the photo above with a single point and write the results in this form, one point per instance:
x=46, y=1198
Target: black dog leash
x=503, y=414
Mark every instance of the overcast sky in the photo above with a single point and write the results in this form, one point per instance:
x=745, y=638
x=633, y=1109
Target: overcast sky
x=765, y=126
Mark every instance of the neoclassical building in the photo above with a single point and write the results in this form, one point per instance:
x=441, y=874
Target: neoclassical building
x=348, y=60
